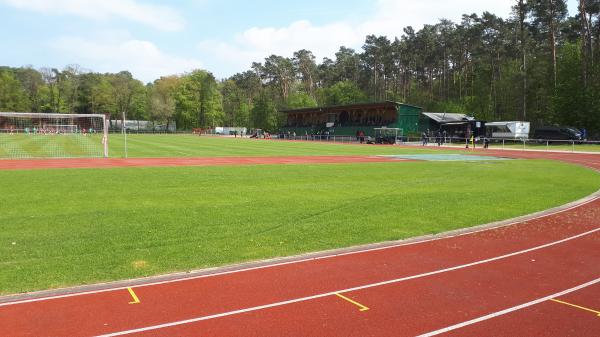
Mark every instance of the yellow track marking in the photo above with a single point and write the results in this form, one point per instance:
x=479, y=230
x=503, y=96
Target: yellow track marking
x=136, y=300
x=362, y=307
x=576, y=306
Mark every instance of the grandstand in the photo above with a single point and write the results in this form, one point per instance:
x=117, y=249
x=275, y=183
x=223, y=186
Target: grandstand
x=348, y=119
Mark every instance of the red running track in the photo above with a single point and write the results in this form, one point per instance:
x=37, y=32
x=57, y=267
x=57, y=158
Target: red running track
x=26, y=164
x=410, y=289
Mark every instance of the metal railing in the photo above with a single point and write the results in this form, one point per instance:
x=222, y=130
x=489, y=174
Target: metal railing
x=321, y=138
x=149, y=132
x=513, y=144
x=493, y=143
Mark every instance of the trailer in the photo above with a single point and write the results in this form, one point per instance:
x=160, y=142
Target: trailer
x=508, y=130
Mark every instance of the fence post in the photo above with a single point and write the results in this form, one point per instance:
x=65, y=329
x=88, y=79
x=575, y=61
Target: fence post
x=573, y=142
x=547, y=146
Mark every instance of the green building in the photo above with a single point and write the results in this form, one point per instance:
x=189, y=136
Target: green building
x=348, y=119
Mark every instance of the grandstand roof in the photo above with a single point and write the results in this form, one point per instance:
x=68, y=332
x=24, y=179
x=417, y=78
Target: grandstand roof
x=350, y=107
x=443, y=117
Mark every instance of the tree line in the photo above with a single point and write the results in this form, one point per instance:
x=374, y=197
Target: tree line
x=538, y=65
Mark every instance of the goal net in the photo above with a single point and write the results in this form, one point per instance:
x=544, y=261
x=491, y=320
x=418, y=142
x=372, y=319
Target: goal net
x=42, y=135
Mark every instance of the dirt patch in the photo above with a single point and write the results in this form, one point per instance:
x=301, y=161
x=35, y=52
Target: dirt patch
x=139, y=264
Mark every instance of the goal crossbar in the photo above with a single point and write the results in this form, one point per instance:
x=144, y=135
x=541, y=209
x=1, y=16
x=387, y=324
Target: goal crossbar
x=48, y=115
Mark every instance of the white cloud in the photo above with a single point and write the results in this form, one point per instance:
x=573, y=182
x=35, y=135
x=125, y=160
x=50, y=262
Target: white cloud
x=257, y=43
x=160, y=17
x=389, y=18
x=142, y=58
x=393, y=15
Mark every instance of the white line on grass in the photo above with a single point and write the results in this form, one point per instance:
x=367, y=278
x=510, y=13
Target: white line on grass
x=331, y=293
x=506, y=311
x=190, y=278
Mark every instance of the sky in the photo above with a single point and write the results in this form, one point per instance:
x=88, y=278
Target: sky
x=152, y=38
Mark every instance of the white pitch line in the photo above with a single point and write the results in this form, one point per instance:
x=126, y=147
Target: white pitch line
x=331, y=293
x=402, y=244
x=506, y=311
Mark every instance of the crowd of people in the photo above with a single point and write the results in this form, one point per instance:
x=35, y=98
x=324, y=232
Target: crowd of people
x=440, y=137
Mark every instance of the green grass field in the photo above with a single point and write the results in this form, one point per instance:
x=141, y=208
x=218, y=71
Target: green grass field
x=207, y=146
x=172, y=146
x=65, y=227
x=183, y=145
x=43, y=146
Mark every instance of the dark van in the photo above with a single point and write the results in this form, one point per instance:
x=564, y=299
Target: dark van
x=557, y=133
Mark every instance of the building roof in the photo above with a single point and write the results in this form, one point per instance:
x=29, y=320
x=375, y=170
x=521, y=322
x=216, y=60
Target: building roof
x=443, y=117
x=350, y=107
x=505, y=123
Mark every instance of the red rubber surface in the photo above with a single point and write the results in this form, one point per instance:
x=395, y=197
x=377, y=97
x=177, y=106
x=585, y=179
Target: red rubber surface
x=554, y=319
x=26, y=164
x=403, y=308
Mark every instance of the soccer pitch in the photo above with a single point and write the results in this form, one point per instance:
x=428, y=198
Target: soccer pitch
x=64, y=227
x=185, y=145
x=208, y=146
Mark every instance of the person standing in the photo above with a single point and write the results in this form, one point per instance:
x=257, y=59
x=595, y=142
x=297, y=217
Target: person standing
x=467, y=138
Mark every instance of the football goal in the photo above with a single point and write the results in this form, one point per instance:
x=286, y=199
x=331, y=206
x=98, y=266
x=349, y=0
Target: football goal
x=46, y=135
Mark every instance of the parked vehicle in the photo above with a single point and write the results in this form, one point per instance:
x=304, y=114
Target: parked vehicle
x=558, y=133
x=508, y=130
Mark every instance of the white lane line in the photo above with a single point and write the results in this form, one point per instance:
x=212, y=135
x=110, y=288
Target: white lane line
x=184, y=279
x=331, y=293
x=506, y=311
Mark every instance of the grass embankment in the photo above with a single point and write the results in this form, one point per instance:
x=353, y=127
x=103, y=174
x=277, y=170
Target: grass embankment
x=74, y=226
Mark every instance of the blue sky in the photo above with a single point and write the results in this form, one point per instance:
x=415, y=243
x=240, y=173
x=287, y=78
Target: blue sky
x=154, y=38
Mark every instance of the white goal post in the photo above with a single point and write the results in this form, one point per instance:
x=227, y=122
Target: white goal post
x=51, y=135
